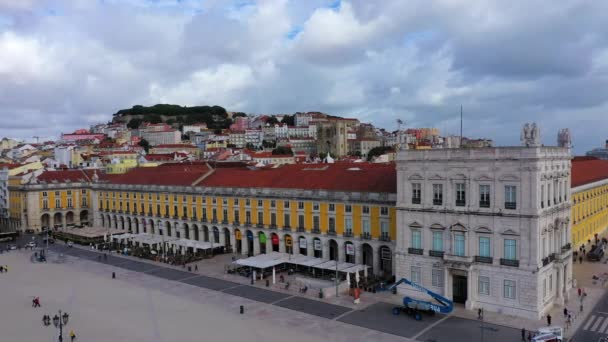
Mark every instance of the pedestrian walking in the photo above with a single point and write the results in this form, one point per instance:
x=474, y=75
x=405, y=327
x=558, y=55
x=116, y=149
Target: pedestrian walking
x=72, y=335
x=580, y=291
x=480, y=313
x=549, y=320
x=569, y=320
x=196, y=267
x=529, y=336
x=580, y=259
x=523, y=334
x=565, y=312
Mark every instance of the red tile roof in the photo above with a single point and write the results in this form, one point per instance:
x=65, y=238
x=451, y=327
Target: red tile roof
x=64, y=176
x=363, y=177
x=587, y=170
x=174, y=146
x=160, y=157
x=184, y=174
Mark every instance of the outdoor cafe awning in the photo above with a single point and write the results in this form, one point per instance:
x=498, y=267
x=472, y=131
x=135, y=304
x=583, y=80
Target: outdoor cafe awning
x=196, y=244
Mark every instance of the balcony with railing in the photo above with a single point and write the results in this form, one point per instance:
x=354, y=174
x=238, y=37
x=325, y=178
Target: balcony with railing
x=509, y=262
x=566, y=247
x=384, y=236
x=456, y=258
x=272, y=226
x=437, y=201
x=236, y=223
x=331, y=232
x=510, y=205
x=418, y=251
x=259, y=225
x=348, y=233
x=224, y=221
x=247, y=224
x=301, y=230
x=460, y=203
x=484, y=259
x=437, y=254
x=416, y=200
x=316, y=231
x=366, y=236
x=204, y=218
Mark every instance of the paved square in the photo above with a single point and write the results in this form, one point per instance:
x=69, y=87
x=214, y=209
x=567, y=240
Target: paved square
x=313, y=307
x=210, y=283
x=137, y=266
x=455, y=329
x=170, y=274
x=380, y=317
x=254, y=293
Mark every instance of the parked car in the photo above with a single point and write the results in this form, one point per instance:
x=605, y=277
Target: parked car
x=70, y=244
x=29, y=231
x=31, y=244
x=50, y=240
x=12, y=247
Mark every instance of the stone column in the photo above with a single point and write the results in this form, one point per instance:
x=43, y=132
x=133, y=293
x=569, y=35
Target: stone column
x=282, y=243
x=359, y=255
x=222, y=238
x=341, y=252
x=310, y=247
x=256, y=245
x=325, y=248
x=268, y=244
x=244, y=245
x=376, y=257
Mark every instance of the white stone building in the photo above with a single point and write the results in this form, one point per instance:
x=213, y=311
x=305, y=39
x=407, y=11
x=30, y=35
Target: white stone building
x=472, y=225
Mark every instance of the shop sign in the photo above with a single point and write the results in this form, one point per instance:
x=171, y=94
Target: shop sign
x=302, y=242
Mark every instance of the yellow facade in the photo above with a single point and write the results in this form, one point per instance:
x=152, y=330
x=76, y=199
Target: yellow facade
x=373, y=213
x=589, y=214
x=121, y=167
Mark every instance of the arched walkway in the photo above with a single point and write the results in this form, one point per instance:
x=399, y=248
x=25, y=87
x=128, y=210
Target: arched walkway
x=368, y=255
x=195, y=232
x=205, y=233
x=151, y=227
x=57, y=220
x=333, y=250
x=317, y=246
x=122, y=223
x=84, y=218
x=262, y=241
x=227, y=237
x=45, y=220
x=274, y=238
x=238, y=241
x=303, y=245
x=178, y=233
x=386, y=260
x=249, y=237
x=168, y=228
x=349, y=252
x=288, y=244
x=186, y=231
x=129, y=224
x=136, y=225
x=69, y=218
x=216, y=235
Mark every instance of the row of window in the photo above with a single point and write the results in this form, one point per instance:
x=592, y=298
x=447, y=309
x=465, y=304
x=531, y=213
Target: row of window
x=45, y=203
x=286, y=204
x=483, y=283
x=459, y=244
x=510, y=200
x=331, y=221
x=69, y=193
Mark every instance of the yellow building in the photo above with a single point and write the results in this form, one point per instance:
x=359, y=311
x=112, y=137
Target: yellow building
x=339, y=212
x=589, y=199
x=121, y=166
x=56, y=199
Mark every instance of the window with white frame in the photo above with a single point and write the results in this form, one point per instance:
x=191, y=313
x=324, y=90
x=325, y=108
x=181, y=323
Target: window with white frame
x=416, y=277
x=437, y=277
x=437, y=194
x=460, y=194
x=366, y=227
x=510, y=197
x=484, y=246
x=384, y=211
x=416, y=238
x=416, y=193
x=348, y=208
x=348, y=225
x=332, y=207
x=286, y=204
x=315, y=206
x=365, y=209
x=510, y=249
x=315, y=222
x=459, y=243
x=384, y=229
x=509, y=290
x=300, y=205
x=483, y=285
x=542, y=196
x=260, y=203
x=438, y=240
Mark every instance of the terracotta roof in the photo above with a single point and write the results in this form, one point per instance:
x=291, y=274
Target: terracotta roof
x=184, y=174
x=363, y=177
x=64, y=176
x=587, y=170
x=160, y=157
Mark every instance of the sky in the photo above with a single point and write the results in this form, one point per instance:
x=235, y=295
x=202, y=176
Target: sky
x=67, y=64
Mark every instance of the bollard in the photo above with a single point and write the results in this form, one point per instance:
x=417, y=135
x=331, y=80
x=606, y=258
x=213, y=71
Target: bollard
x=242, y=309
x=267, y=283
x=113, y=275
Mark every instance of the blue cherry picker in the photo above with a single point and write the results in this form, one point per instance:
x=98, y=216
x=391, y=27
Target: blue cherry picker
x=415, y=307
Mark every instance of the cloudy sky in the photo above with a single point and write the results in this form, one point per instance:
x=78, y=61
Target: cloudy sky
x=66, y=64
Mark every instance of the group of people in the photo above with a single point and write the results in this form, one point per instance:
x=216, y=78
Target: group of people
x=36, y=302
x=3, y=268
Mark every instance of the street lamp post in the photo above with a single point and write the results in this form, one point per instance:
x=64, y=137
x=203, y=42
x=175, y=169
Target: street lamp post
x=59, y=320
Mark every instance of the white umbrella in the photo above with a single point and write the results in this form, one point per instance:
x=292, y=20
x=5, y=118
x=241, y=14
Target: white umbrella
x=357, y=277
x=348, y=279
x=105, y=237
x=274, y=276
x=365, y=271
